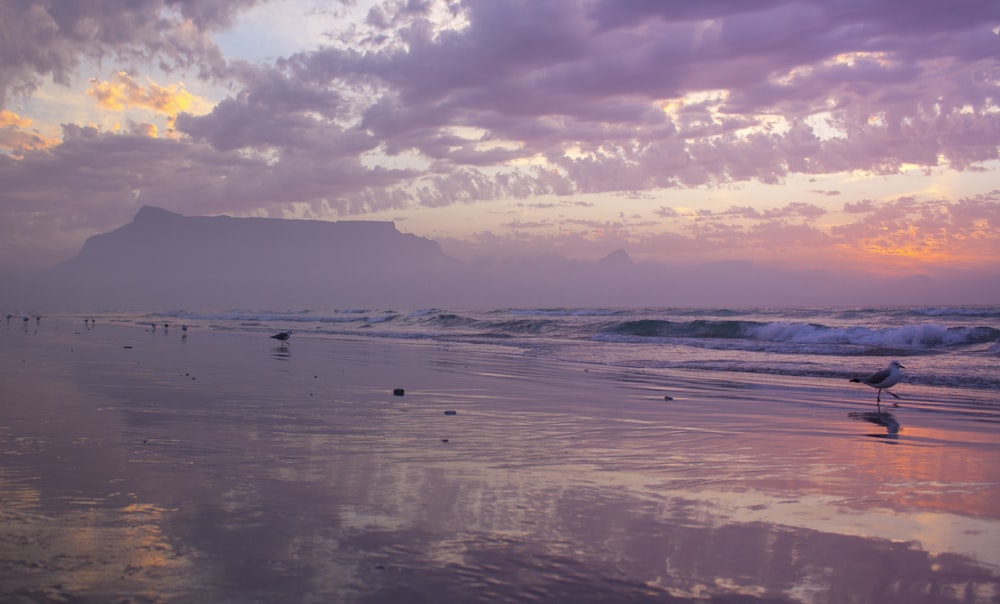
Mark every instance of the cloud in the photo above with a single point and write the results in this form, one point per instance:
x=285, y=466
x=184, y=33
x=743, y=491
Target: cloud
x=908, y=231
x=10, y=119
x=432, y=103
x=110, y=175
x=907, y=234
x=50, y=38
x=123, y=91
x=15, y=138
x=599, y=76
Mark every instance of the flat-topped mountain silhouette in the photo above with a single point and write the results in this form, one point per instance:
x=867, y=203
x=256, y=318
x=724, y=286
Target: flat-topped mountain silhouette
x=166, y=260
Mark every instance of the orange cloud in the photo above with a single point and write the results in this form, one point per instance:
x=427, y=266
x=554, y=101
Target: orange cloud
x=122, y=91
x=918, y=243
x=9, y=118
x=15, y=139
x=145, y=129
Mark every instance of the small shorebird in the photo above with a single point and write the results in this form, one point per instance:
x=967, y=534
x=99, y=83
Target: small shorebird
x=883, y=380
x=283, y=337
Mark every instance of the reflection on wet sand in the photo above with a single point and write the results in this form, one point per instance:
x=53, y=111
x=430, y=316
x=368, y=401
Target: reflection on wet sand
x=307, y=480
x=92, y=554
x=880, y=418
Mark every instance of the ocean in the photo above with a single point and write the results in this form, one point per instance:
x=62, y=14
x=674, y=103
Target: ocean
x=948, y=347
x=504, y=455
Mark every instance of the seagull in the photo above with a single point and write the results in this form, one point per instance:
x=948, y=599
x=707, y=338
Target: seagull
x=283, y=337
x=883, y=380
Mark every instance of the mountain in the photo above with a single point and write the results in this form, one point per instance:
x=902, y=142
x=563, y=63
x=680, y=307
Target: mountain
x=166, y=260
x=618, y=258
x=162, y=260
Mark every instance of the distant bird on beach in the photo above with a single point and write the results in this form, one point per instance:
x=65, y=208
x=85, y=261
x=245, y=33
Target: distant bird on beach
x=283, y=337
x=883, y=380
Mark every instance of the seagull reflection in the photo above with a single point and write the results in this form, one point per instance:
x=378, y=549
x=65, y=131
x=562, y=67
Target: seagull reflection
x=884, y=419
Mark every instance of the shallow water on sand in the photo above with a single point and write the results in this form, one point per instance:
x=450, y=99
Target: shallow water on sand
x=139, y=466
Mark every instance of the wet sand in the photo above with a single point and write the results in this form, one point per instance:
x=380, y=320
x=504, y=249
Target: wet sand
x=142, y=467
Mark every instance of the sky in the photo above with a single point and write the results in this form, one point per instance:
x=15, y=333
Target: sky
x=852, y=136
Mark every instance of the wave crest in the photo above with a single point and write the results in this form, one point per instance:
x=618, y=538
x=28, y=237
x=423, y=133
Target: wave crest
x=923, y=336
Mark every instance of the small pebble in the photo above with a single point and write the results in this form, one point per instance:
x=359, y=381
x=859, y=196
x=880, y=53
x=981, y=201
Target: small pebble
x=451, y=412
x=668, y=398
x=398, y=392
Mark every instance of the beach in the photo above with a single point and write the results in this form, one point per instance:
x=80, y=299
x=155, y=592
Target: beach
x=215, y=465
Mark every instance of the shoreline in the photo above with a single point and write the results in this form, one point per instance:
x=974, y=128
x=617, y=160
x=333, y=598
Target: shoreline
x=300, y=472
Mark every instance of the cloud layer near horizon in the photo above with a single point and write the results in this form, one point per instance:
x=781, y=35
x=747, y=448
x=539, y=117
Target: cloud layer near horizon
x=433, y=104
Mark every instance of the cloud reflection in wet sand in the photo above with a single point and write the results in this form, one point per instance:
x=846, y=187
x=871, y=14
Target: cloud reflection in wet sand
x=93, y=554
x=304, y=479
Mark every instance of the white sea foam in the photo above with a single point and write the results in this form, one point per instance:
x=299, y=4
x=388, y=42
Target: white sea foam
x=957, y=348
x=920, y=336
x=566, y=312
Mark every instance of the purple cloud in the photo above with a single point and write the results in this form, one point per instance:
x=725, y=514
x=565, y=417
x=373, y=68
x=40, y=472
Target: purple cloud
x=525, y=98
x=50, y=38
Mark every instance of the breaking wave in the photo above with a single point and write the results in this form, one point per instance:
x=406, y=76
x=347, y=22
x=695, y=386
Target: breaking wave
x=926, y=336
x=958, y=345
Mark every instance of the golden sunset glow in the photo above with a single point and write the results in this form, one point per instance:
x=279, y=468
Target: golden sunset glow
x=123, y=91
x=132, y=543
x=915, y=250
x=149, y=130
x=919, y=468
x=15, y=139
x=9, y=118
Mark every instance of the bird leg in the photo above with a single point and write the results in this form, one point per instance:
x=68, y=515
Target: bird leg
x=893, y=393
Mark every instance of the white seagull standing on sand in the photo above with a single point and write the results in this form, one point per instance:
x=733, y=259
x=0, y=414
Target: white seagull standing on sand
x=883, y=380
